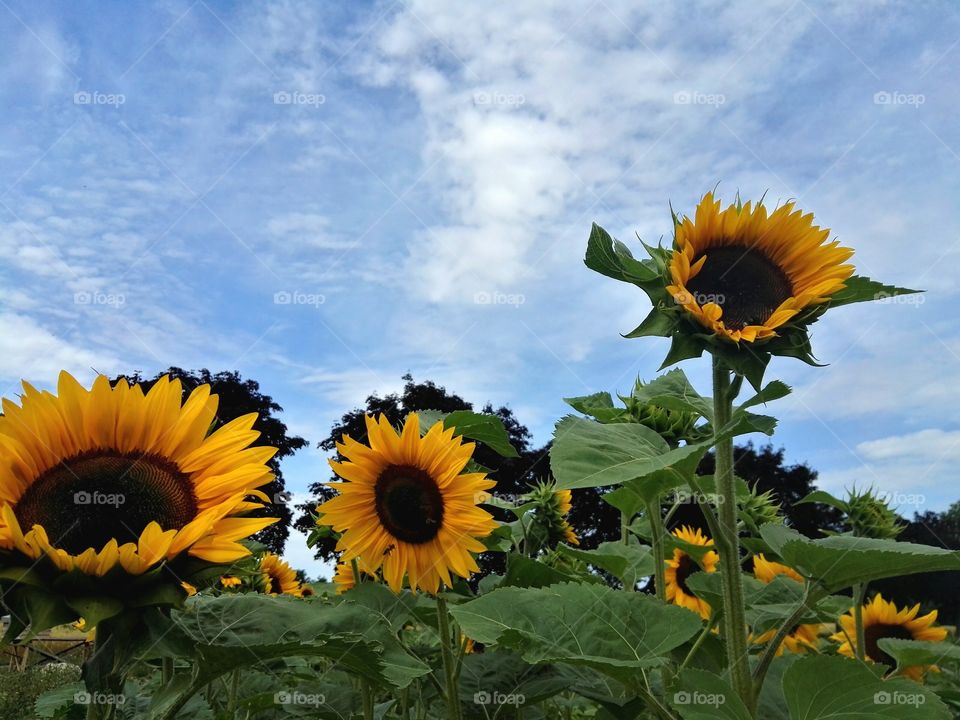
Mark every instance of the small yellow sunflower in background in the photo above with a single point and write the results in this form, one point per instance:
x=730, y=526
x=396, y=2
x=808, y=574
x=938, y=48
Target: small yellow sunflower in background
x=882, y=619
x=113, y=477
x=229, y=582
x=683, y=565
x=278, y=577
x=766, y=570
x=189, y=589
x=307, y=591
x=405, y=508
x=564, y=505
x=343, y=576
x=742, y=273
x=801, y=637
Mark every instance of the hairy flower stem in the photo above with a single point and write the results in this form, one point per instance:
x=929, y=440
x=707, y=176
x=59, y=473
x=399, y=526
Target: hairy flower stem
x=859, y=594
x=728, y=542
x=656, y=542
x=449, y=664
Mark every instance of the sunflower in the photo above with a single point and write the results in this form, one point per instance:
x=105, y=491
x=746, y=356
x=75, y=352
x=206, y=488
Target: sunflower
x=683, y=565
x=564, y=505
x=766, y=570
x=405, y=508
x=278, y=577
x=306, y=591
x=742, y=274
x=115, y=478
x=343, y=576
x=229, y=582
x=882, y=619
x=801, y=637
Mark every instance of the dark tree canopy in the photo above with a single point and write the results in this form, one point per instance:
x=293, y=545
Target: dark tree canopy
x=513, y=475
x=239, y=397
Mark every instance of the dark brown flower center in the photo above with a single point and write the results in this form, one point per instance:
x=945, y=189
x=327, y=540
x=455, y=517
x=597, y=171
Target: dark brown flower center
x=686, y=567
x=743, y=282
x=86, y=500
x=409, y=504
x=276, y=587
x=873, y=634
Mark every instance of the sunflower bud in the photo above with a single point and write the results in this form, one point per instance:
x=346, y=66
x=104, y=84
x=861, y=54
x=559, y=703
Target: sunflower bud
x=550, y=513
x=758, y=509
x=672, y=425
x=871, y=517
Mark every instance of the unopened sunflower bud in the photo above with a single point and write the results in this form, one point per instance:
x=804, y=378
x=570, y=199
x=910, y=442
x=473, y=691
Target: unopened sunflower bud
x=869, y=516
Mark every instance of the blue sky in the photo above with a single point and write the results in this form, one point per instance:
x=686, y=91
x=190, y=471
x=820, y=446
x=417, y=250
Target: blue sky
x=326, y=196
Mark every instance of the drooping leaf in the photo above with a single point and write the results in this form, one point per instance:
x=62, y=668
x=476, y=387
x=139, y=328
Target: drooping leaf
x=918, y=652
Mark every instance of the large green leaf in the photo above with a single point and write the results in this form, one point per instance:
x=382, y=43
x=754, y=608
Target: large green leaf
x=629, y=563
x=842, y=560
x=491, y=682
x=231, y=632
x=590, y=454
x=701, y=695
x=612, y=631
x=836, y=688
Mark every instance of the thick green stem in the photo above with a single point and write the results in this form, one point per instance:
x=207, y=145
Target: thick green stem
x=656, y=542
x=859, y=594
x=166, y=670
x=449, y=664
x=367, y=692
x=234, y=693
x=728, y=542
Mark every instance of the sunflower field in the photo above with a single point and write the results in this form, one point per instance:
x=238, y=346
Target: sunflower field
x=125, y=516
